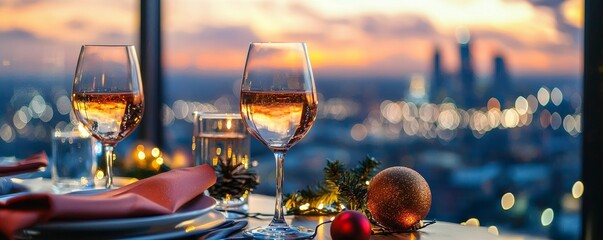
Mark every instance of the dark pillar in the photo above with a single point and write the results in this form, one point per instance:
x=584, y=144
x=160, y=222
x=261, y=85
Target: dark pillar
x=150, y=66
x=592, y=148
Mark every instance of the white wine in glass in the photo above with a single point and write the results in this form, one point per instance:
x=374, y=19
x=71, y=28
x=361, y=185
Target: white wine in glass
x=278, y=106
x=107, y=95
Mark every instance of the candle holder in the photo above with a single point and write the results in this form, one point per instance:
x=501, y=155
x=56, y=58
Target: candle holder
x=221, y=140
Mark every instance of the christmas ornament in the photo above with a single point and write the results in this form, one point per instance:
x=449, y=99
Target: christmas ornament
x=399, y=198
x=350, y=225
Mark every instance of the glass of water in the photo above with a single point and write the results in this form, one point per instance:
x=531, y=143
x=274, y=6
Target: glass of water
x=74, y=161
x=221, y=140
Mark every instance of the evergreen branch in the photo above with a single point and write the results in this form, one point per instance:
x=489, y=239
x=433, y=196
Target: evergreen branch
x=366, y=169
x=333, y=170
x=339, y=188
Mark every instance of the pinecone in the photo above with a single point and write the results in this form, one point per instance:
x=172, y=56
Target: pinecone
x=233, y=181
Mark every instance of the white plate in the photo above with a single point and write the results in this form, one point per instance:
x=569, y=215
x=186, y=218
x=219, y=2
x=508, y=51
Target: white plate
x=132, y=225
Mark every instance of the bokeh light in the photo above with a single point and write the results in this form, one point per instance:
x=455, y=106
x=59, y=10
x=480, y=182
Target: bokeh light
x=543, y=96
x=493, y=230
x=7, y=133
x=493, y=103
x=577, y=189
x=510, y=118
x=547, y=216
x=507, y=201
x=556, y=96
x=521, y=105
x=532, y=103
x=556, y=120
x=359, y=132
x=472, y=222
x=63, y=105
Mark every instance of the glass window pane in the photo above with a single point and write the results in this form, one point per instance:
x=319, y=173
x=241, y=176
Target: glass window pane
x=39, y=46
x=483, y=98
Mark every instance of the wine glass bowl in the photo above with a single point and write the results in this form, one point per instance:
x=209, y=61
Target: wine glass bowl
x=279, y=119
x=278, y=106
x=107, y=95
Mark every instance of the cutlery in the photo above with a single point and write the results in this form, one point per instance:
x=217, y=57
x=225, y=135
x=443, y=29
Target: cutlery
x=182, y=233
x=224, y=232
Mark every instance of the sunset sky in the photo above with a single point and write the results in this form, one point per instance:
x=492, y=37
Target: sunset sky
x=352, y=37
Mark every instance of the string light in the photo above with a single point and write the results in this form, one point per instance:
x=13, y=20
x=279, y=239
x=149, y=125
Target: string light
x=155, y=152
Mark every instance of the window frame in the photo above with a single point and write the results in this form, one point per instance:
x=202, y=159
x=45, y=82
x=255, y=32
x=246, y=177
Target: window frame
x=592, y=149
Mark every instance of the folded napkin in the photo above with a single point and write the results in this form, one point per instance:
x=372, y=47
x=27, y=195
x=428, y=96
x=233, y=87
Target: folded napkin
x=164, y=193
x=29, y=164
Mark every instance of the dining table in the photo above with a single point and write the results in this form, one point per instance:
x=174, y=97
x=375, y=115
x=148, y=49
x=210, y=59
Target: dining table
x=262, y=206
x=441, y=230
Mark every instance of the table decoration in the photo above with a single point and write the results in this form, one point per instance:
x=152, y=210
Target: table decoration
x=162, y=194
x=30, y=164
x=340, y=189
x=234, y=181
x=221, y=140
x=350, y=225
x=398, y=198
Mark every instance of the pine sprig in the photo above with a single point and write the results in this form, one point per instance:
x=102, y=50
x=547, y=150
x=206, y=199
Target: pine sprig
x=339, y=189
x=334, y=170
x=366, y=168
x=352, y=191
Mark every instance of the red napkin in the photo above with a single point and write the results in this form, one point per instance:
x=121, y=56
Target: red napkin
x=161, y=194
x=30, y=164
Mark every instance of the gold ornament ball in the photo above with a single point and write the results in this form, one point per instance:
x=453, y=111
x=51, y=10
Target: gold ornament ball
x=398, y=198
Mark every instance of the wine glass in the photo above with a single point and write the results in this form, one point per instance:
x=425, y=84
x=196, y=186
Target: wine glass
x=107, y=95
x=278, y=107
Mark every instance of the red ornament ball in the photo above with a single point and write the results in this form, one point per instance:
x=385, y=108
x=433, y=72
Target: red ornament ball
x=350, y=225
x=398, y=198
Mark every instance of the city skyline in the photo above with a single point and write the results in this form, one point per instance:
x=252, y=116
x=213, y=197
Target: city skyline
x=383, y=38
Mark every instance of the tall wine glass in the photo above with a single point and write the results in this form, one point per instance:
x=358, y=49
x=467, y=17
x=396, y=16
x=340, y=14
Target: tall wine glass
x=278, y=106
x=107, y=95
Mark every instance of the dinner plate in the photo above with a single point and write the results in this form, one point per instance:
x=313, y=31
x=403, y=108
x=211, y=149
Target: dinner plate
x=207, y=222
x=135, y=225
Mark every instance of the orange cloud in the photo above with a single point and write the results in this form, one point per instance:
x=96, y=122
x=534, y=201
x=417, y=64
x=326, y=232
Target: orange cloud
x=379, y=37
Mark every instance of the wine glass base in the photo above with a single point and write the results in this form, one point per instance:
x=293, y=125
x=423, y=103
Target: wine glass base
x=274, y=232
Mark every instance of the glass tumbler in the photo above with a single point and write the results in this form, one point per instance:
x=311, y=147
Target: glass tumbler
x=221, y=140
x=74, y=161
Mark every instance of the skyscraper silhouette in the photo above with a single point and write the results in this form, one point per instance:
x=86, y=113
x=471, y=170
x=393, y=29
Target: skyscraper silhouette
x=437, y=91
x=501, y=84
x=467, y=75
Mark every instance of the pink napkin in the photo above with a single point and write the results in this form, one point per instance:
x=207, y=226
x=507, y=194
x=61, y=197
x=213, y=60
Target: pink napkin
x=161, y=194
x=30, y=164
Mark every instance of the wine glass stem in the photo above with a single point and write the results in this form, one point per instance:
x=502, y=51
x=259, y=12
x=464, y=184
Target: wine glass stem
x=109, y=160
x=279, y=217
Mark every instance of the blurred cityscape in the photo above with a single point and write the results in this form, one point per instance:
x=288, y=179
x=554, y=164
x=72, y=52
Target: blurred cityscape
x=490, y=117
x=500, y=149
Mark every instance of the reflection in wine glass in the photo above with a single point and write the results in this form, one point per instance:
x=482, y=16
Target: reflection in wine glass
x=107, y=95
x=278, y=106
